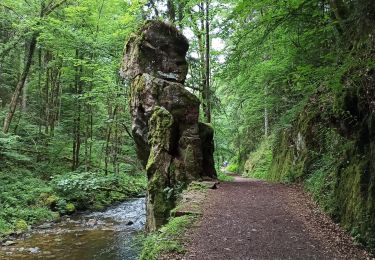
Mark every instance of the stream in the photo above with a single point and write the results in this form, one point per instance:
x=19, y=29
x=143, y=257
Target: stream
x=107, y=235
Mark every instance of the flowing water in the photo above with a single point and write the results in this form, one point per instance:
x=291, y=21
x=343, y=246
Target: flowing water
x=107, y=235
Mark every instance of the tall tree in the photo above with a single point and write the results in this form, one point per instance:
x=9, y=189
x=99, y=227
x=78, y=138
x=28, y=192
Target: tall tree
x=45, y=10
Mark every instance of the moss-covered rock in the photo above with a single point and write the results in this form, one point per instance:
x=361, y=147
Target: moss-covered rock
x=70, y=208
x=171, y=145
x=21, y=225
x=331, y=148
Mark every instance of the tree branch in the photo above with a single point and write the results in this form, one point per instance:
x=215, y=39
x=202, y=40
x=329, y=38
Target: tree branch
x=127, y=130
x=54, y=7
x=10, y=9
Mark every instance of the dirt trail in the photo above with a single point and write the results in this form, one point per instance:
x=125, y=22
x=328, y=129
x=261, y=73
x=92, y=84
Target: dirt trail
x=248, y=219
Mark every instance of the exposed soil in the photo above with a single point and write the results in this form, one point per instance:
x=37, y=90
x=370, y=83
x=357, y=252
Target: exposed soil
x=248, y=219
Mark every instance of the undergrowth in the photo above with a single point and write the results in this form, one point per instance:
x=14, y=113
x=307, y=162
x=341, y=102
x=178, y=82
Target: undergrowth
x=26, y=199
x=167, y=239
x=224, y=177
x=259, y=162
x=233, y=167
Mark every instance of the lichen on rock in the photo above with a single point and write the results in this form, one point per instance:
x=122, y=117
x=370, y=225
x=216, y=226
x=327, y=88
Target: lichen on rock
x=173, y=146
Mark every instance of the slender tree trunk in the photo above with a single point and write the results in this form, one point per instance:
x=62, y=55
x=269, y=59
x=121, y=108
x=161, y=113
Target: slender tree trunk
x=77, y=120
x=341, y=13
x=40, y=121
x=47, y=84
x=171, y=11
x=20, y=84
x=266, y=117
x=24, y=98
x=107, y=148
x=207, y=64
x=202, y=55
x=24, y=91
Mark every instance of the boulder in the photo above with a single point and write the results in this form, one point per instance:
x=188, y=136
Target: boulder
x=172, y=145
x=158, y=49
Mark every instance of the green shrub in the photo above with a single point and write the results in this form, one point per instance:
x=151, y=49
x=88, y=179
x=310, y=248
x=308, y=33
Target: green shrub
x=5, y=227
x=96, y=189
x=70, y=208
x=21, y=225
x=259, y=162
x=233, y=167
x=224, y=177
x=167, y=239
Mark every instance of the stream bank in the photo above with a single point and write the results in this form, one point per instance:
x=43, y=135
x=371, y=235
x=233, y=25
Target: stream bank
x=102, y=235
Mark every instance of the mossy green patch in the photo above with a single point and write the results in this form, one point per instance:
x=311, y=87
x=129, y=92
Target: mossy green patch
x=167, y=239
x=70, y=208
x=224, y=177
x=21, y=225
x=333, y=160
x=259, y=162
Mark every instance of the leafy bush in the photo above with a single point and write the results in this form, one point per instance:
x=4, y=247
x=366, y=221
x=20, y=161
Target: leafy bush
x=233, y=167
x=9, y=145
x=259, y=162
x=21, y=225
x=86, y=188
x=20, y=201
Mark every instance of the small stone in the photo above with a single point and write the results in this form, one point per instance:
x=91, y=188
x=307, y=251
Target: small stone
x=45, y=226
x=9, y=243
x=99, y=222
x=91, y=222
x=34, y=250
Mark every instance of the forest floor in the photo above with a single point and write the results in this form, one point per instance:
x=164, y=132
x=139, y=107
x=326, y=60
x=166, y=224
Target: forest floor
x=250, y=219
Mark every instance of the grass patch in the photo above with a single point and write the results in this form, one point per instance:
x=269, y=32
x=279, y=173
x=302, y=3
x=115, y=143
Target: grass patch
x=168, y=239
x=224, y=177
x=233, y=167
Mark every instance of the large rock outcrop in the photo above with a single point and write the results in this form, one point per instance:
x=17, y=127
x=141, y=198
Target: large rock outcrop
x=173, y=146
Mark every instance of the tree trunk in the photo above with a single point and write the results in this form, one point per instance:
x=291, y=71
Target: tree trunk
x=207, y=65
x=266, y=117
x=20, y=84
x=341, y=12
x=44, y=11
x=171, y=11
x=77, y=120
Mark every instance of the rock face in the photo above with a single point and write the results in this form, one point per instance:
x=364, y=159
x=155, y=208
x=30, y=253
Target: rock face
x=173, y=146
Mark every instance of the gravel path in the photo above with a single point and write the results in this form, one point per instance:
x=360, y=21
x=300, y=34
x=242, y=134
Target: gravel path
x=248, y=219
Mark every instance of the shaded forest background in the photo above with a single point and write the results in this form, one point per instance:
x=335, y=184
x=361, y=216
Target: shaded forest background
x=287, y=85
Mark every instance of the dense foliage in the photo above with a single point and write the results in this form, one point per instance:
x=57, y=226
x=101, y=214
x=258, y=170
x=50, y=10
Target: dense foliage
x=67, y=145
x=287, y=85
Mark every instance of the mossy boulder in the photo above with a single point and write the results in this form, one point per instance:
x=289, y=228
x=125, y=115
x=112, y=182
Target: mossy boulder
x=173, y=147
x=70, y=208
x=21, y=225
